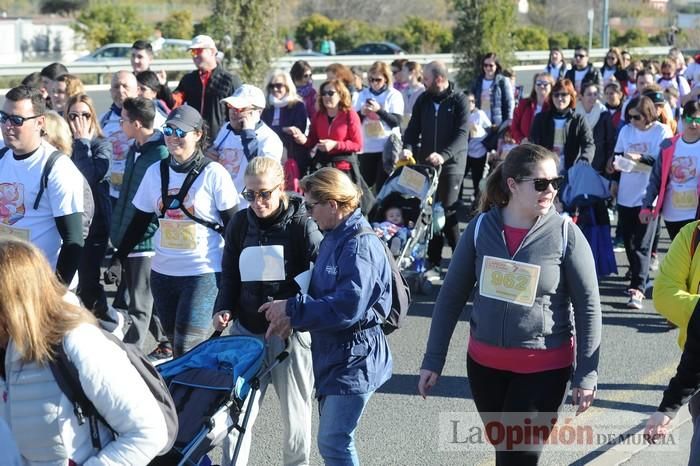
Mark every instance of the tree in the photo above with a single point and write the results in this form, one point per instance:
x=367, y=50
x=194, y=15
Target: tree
x=482, y=26
x=530, y=38
x=178, y=25
x=62, y=7
x=105, y=23
x=316, y=27
x=418, y=35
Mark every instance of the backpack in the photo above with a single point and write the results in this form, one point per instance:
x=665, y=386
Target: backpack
x=67, y=378
x=400, y=291
x=88, y=201
x=177, y=201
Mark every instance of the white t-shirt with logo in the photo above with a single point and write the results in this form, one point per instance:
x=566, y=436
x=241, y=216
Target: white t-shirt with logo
x=184, y=247
x=633, y=185
x=578, y=78
x=231, y=155
x=681, y=197
x=375, y=132
x=120, y=147
x=485, y=101
x=19, y=185
x=477, y=122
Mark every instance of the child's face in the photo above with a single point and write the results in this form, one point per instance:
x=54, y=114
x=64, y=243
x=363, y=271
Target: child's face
x=394, y=216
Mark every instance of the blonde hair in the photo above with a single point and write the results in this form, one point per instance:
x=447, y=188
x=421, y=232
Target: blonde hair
x=330, y=184
x=379, y=67
x=292, y=96
x=33, y=312
x=269, y=167
x=58, y=133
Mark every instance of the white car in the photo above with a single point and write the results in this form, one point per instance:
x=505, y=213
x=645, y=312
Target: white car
x=122, y=51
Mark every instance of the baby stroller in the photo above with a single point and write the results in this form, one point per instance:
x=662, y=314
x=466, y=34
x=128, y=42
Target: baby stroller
x=209, y=385
x=411, y=188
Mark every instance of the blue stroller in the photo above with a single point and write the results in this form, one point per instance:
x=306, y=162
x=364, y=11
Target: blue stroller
x=209, y=385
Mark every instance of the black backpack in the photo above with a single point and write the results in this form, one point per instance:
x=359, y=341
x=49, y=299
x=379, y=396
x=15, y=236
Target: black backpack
x=88, y=201
x=178, y=201
x=400, y=291
x=67, y=378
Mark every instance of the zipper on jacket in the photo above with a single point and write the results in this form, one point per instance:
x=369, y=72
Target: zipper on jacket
x=437, y=111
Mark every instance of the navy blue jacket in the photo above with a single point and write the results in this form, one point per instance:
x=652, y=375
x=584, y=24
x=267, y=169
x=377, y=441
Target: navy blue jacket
x=93, y=159
x=351, y=277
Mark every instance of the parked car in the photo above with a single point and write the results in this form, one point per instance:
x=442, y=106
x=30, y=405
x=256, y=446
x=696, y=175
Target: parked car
x=122, y=51
x=375, y=48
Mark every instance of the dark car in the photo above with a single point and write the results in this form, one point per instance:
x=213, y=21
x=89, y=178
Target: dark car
x=375, y=48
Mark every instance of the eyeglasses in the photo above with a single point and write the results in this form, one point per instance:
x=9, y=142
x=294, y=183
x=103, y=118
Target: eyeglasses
x=579, y=55
x=542, y=83
x=307, y=76
x=278, y=86
x=690, y=120
x=310, y=205
x=489, y=65
x=169, y=131
x=560, y=95
x=375, y=80
x=542, y=183
x=15, y=120
x=328, y=93
x=265, y=195
x=196, y=52
x=636, y=117
x=75, y=115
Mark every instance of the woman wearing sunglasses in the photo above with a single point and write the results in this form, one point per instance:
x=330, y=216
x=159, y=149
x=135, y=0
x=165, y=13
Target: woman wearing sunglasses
x=275, y=226
x=285, y=109
x=381, y=109
x=188, y=245
x=636, y=151
x=92, y=153
x=612, y=69
x=527, y=108
x=536, y=317
x=302, y=76
x=493, y=91
x=561, y=130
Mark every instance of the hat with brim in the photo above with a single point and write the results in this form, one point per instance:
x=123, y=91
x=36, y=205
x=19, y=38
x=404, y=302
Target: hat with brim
x=202, y=42
x=185, y=117
x=246, y=96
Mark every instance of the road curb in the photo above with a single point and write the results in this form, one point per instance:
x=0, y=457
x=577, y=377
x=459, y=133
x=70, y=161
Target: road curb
x=618, y=454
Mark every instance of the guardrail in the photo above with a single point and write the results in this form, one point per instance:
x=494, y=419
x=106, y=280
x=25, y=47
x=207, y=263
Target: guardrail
x=525, y=59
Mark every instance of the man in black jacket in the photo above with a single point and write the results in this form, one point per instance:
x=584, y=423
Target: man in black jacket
x=204, y=88
x=437, y=134
x=582, y=71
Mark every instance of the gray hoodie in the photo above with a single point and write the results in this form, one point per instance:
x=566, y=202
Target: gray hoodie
x=566, y=278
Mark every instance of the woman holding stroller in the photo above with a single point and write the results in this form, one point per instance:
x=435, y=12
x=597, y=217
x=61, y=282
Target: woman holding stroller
x=350, y=286
x=272, y=221
x=34, y=319
x=522, y=346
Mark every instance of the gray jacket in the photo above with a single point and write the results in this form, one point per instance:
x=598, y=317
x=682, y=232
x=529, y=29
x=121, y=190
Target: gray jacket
x=566, y=278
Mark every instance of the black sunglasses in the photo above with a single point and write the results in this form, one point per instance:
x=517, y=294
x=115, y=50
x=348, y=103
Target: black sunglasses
x=580, y=55
x=306, y=75
x=375, y=80
x=275, y=86
x=542, y=183
x=328, y=93
x=265, y=195
x=15, y=120
x=75, y=115
x=169, y=131
x=636, y=117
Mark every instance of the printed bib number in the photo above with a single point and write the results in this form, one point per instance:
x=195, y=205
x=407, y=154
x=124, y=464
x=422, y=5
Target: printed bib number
x=509, y=281
x=178, y=234
x=374, y=128
x=685, y=199
x=411, y=180
x=21, y=233
x=115, y=179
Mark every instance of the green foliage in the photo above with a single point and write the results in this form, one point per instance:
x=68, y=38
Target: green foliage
x=482, y=26
x=530, y=38
x=418, y=35
x=353, y=33
x=558, y=39
x=178, y=25
x=633, y=37
x=105, y=23
x=316, y=27
x=62, y=7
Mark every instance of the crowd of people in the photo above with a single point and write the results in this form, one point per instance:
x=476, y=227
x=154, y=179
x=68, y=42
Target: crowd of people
x=208, y=201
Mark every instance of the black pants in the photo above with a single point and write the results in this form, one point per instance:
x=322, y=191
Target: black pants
x=448, y=189
x=372, y=170
x=496, y=392
x=674, y=228
x=137, y=271
x=476, y=165
x=90, y=290
x=638, y=238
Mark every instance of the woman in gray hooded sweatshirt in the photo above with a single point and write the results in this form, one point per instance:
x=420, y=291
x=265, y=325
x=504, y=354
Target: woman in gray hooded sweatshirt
x=536, y=318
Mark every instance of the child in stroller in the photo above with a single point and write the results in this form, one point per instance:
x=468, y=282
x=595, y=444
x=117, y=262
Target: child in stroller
x=393, y=229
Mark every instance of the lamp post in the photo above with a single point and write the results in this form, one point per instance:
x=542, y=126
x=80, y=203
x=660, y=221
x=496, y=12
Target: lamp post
x=591, y=14
x=606, y=25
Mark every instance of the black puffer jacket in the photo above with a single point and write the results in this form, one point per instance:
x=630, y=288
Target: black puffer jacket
x=221, y=84
x=578, y=138
x=290, y=228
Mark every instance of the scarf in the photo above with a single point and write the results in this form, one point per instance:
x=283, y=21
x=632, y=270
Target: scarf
x=187, y=165
x=306, y=89
x=379, y=92
x=593, y=116
x=278, y=103
x=401, y=86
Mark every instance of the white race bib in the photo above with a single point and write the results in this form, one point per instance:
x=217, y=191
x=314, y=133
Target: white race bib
x=510, y=281
x=178, y=234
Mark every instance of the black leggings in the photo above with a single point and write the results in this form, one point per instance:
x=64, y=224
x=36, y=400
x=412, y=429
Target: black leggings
x=638, y=238
x=448, y=189
x=674, y=228
x=477, y=166
x=501, y=392
x=372, y=169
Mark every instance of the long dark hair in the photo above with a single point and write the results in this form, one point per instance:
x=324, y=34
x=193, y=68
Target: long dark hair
x=149, y=79
x=518, y=163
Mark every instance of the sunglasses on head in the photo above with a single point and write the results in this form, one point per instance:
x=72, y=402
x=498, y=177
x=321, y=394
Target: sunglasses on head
x=75, y=115
x=15, y=120
x=689, y=120
x=265, y=195
x=328, y=93
x=169, y=131
x=542, y=183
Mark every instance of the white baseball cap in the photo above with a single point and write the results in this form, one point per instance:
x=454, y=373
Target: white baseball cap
x=202, y=42
x=246, y=96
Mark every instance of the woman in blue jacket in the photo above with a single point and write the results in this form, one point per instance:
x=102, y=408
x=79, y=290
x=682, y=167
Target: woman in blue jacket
x=350, y=287
x=493, y=91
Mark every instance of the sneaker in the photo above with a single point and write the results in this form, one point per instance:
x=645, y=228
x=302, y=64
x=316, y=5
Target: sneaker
x=619, y=246
x=162, y=353
x=654, y=263
x=636, y=299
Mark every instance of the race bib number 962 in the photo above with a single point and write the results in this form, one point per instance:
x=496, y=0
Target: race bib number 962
x=510, y=281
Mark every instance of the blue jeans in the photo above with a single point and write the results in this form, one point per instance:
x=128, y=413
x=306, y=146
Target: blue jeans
x=184, y=305
x=339, y=416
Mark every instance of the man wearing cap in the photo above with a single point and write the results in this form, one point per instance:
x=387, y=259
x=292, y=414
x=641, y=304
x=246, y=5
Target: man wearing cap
x=204, y=88
x=245, y=136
